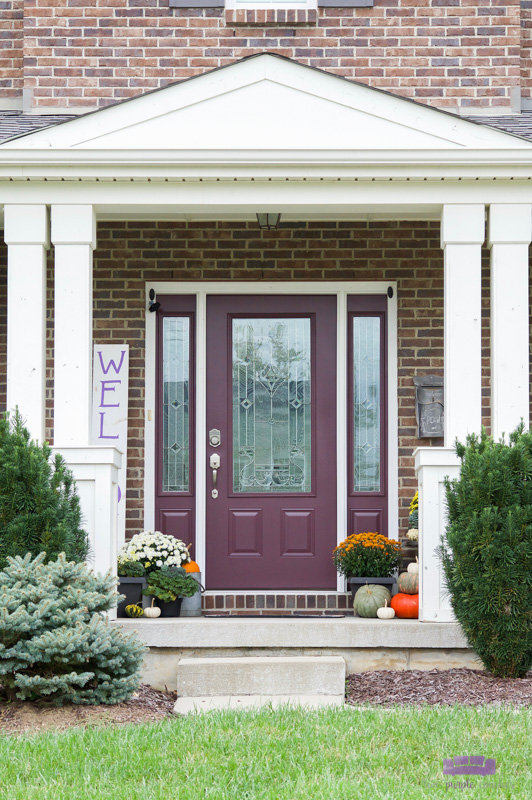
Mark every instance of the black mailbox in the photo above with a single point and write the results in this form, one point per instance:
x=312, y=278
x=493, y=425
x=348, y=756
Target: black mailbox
x=429, y=406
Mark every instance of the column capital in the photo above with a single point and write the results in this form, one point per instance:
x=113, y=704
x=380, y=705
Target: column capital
x=462, y=224
x=26, y=224
x=74, y=224
x=510, y=223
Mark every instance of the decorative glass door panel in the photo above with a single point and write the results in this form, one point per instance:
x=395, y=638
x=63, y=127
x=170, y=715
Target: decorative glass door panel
x=367, y=468
x=271, y=453
x=175, y=404
x=272, y=429
x=174, y=417
x=366, y=404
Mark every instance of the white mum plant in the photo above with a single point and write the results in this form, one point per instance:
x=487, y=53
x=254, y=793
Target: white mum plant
x=152, y=549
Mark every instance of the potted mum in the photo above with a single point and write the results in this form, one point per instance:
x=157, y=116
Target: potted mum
x=144, y=553
x=367, y=558
x=169, y=585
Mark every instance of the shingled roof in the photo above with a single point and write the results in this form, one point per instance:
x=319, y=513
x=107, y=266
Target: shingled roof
x=15, y=123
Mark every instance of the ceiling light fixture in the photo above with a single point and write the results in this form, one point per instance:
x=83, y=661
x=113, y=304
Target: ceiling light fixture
x=268, y=222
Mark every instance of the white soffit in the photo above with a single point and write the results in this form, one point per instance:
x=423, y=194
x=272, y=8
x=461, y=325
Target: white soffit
x=267, y=103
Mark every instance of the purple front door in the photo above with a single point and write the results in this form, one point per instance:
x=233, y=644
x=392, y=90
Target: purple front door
x=271, y=480
x=271, y=433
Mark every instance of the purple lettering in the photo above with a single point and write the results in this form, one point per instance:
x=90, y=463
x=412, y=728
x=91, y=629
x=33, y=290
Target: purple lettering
x=106, y=388
x=102, y=435
x=111, y=363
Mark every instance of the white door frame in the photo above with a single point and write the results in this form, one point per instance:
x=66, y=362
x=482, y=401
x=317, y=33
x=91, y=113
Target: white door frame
x=201, y=289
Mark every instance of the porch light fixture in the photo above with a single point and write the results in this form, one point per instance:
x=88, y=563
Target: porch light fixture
x=153, y=305
x=268, y=222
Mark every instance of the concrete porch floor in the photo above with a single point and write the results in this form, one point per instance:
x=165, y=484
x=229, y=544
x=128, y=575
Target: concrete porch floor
x=365, y=644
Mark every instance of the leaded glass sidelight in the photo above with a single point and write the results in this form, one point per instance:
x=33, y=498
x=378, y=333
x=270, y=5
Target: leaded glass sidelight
x=271, y=405
x=175, y=410
x=366, y=404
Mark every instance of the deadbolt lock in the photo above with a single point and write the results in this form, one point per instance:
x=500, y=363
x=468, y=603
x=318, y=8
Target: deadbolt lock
x=214, y=437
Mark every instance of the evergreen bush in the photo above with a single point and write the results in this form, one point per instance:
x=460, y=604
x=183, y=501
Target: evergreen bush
x=39, y=506
x=487, y=550
x=54, y=642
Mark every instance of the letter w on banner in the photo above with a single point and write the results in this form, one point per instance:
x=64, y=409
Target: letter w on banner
x=109, y=412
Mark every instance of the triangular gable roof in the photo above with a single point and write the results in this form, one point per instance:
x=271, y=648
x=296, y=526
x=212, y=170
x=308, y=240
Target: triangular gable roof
x=267, y=102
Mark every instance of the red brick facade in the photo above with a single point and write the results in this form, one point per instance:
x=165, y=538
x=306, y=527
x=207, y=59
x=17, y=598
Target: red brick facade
x=128, y=254
x=11, y=48
x=466, y=54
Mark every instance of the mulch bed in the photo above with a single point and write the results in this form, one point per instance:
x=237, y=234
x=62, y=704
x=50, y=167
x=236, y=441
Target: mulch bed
x=468, y=687
x=146, y=705
x=383, y=688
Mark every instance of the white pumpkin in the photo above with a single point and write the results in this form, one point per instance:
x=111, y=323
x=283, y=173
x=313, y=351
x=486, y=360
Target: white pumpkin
x=385, y=612
x=414, y=567
x=153, y=611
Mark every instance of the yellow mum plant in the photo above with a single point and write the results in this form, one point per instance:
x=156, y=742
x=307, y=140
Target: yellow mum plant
x=370, y=555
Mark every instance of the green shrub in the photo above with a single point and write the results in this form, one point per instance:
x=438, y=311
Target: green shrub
x=169, y=583
x=54, y=642
x=39, y=507
x=487, y=550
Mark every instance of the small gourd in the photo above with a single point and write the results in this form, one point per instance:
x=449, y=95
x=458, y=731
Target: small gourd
x=153, y=611
x=191, y=566
x=134, y=611
x=414, y=567
x=408, y=582
x=386, y=612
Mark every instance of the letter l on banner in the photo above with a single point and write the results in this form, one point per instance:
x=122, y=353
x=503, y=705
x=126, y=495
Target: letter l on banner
x=110, y=411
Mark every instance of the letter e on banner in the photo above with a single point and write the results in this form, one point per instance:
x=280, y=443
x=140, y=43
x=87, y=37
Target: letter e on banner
x=110, y=410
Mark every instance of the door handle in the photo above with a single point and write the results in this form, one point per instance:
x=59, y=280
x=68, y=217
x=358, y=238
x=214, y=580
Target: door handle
x=214, y=463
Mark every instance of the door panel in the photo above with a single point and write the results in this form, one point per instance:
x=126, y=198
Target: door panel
x=174, y=418
x=271, y=391
x=367, y=415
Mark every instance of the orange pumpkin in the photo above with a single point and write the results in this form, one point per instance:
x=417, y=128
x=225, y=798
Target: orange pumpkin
x=191, y=566
x=406, y=606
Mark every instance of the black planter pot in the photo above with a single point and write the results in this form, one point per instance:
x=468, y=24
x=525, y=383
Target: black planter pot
x=355, y=583
x=132, y=588
x=172, y=609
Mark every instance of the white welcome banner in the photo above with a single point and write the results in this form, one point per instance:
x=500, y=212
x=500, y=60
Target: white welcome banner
x=109, y=412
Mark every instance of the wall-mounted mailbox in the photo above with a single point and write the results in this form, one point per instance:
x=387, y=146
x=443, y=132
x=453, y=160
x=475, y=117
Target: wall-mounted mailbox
x=429, y=406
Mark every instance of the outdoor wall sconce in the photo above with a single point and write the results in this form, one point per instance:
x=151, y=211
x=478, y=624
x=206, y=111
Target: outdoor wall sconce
x=268, y=222
x=153, y=306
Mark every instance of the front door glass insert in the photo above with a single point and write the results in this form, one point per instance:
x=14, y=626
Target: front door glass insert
x=175, y=401
x=271, y=365
x=366, y=404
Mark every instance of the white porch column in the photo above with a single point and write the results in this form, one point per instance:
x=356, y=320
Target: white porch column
x=433, y=464
x=510, y=232
x=462, y=234
x=74, y=238
x=27, y=237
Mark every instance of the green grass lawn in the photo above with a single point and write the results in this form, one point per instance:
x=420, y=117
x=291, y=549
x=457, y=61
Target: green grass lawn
x=276, y=755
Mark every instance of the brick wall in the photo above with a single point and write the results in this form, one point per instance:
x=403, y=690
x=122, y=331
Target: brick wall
x=447, y=53
x=526, y=48
x=129, y=254
x=11, y=48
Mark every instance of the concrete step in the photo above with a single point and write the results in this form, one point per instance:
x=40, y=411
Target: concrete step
x=244, y=682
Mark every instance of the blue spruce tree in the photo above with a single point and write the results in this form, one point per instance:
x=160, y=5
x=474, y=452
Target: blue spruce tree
x=54, y=642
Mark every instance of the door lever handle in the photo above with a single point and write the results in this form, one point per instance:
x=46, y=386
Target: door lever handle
x=214, y=463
